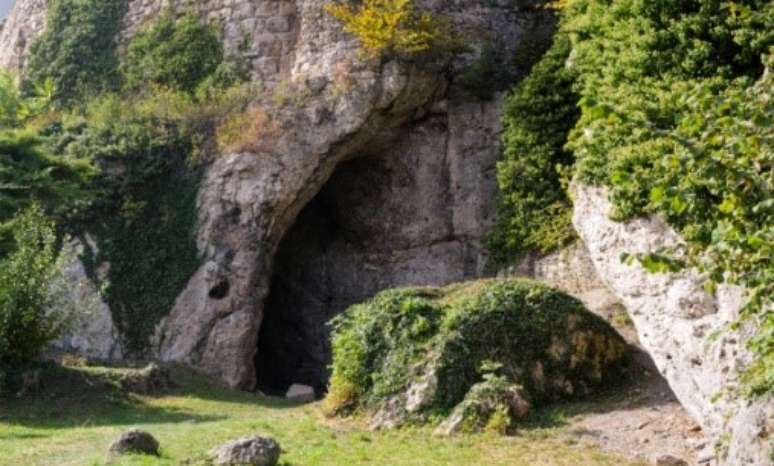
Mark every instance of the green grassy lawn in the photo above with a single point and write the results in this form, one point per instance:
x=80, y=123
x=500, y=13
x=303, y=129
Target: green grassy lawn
x=79, y=412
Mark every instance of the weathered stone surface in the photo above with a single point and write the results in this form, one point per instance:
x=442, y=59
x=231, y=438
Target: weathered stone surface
x=254, y=451
x=24, y=23
x=300, y=393
x=675, y=318
x=93, y=334
x=249, y=201
x=134, y=441
x=572, y=271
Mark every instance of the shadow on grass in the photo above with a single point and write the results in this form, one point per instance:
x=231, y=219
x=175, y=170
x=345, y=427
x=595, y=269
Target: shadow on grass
x=73, y=397
x=84, y=397
x=192, y=384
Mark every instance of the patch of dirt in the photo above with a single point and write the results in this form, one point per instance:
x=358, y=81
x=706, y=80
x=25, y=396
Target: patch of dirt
x=645, y=422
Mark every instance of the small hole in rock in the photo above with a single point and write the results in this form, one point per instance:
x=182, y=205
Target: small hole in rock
x=220, y=290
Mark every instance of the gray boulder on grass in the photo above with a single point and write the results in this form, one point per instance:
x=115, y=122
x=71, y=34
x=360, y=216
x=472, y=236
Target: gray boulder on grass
x=253, y=451
x=134, y=441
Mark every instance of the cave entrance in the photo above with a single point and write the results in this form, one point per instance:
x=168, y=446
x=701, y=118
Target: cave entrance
x=388, y=218
x=293, y=343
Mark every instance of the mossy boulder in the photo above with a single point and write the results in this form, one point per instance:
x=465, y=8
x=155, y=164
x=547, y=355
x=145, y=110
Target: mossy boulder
x=496, y=346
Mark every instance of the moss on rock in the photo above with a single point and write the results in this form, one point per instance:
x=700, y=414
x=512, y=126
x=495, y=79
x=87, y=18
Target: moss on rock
x=410, y=355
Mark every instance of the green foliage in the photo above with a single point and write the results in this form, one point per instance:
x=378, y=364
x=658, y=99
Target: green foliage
x=177, y=54
x=77, y=48
x=28, y=173
x=392, y=27
x=534, y=212
x=384, y=346
x=144, y=213
x=16, y=108
x=29, y=320
x=678, y=120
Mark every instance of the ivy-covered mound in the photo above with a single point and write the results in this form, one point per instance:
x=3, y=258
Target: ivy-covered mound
x=490, y=348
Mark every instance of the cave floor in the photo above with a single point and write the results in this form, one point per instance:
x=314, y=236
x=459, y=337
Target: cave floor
x=79, y=411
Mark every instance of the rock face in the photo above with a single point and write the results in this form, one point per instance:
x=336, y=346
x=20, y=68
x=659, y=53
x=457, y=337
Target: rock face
x=675, y=318
x=341, y=110
x=24, y=23
x=398, y=144
x=572, y=271
x=94, y=334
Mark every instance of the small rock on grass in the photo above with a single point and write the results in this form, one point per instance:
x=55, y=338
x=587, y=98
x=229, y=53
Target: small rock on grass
x=253, y=451
x=301, y=393
x=134, y=441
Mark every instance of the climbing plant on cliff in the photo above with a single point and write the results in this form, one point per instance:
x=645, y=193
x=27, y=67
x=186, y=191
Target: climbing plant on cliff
x=678, y=120
x=143, y=216
x=534, y=212
x=77, y=48
x=173, y=53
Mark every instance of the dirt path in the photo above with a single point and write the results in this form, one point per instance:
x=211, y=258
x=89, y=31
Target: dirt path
x=645, y=422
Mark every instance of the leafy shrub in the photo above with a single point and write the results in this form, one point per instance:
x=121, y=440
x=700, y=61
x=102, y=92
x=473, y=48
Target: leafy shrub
x=178, y=54
x=677, y=121
x=392, y=27
x=28, y=171
x=29, y=316
x=438, y=339
x=77, y=49
x=534, y=212
x=16, y=108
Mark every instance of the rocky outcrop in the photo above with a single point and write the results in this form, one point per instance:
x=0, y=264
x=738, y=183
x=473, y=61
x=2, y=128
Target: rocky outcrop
x=433, y=146
x=93, y=333
x=677, y=322
x=339, y=109
x=24, y=24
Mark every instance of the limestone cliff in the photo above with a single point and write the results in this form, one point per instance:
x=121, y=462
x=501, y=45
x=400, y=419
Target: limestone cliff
x=677, y=323
x=392, y=165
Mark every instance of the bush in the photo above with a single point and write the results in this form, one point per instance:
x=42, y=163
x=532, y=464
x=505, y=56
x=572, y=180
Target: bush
x=30, y=316
x=178, y=54
x=430, y=344
x=392, y=27
x=534, y=212
x=77, y=49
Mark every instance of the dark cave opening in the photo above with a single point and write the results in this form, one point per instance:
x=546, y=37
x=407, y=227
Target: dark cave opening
x=293, y=343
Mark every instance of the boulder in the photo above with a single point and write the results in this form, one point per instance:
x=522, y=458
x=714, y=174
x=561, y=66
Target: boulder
x=134, y=441
x=253, y=451
x=301, y=393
